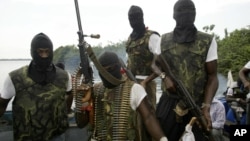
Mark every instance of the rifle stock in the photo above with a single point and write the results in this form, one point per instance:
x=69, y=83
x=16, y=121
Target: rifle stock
x=193, y=108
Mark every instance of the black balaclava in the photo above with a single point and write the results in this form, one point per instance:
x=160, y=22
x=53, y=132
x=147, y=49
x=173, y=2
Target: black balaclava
x=109, y=60
x=184, y=15
x=41, y=70
x=135, y=16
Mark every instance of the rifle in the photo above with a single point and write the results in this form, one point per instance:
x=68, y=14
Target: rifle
x=190, y=103
x=84, y=104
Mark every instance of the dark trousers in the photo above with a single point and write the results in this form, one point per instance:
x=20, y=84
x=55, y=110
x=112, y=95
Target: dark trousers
x=167, y=118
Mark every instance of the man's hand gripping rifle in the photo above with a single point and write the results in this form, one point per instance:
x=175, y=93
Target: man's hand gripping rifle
x=83, y=82
x=188, y=100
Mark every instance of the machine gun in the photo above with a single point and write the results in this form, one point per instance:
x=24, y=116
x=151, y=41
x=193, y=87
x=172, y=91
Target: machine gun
x=83, y=82
x=188, y=100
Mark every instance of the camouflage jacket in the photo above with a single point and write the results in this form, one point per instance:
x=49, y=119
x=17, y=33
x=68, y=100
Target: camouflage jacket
x=39, y=112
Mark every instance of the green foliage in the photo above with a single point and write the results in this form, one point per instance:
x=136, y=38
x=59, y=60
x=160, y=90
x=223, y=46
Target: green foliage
x=209, y=29
x=63, y=53
x=233, y=51
x=69, y=55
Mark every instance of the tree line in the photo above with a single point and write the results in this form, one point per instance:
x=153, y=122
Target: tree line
x=233, y=51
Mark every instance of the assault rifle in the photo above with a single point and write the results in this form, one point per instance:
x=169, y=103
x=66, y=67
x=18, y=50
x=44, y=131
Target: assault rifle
x=85, y=66
x=83, y=100
x=193, y=108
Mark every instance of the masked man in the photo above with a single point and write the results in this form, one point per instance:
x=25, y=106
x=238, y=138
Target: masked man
x=192, y=58
x=117, y=102
x=140, y=47
x=39, y=105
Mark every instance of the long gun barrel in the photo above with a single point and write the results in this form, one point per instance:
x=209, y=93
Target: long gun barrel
x=194, y=109
x=82, y=86
x=85, y=67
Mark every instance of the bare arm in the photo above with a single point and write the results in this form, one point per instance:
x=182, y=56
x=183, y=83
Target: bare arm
x=243, y=78
x=3, y=105
x=148, y=79
x=150, y=120
x=156, y=72
x=210, y=90
x=169, y=84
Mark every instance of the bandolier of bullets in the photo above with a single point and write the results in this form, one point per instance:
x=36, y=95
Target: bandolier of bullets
x=80, y=115
x=121, y=114
x=98, y=115
x=117, y=125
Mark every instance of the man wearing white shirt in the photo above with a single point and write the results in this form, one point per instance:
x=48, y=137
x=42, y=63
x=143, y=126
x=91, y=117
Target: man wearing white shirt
x=192, y=58
x=218, y=117
x=140, y=48
x=118, y=101
x=39, y=106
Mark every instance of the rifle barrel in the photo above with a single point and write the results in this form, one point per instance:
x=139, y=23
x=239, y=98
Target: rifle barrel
x=80, y=32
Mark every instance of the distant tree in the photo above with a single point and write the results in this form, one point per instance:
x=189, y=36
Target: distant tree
x=233, y=51
x=70, y=56
x=209, y=29
x=63, y=53
x=226, y=33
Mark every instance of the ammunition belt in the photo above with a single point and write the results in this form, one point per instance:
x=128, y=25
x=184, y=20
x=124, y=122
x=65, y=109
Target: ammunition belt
x=115, y=124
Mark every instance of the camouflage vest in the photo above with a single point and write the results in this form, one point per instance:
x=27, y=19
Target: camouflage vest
x=114, y=119
x=139, y=56
x=187, y=62
x=39, y=112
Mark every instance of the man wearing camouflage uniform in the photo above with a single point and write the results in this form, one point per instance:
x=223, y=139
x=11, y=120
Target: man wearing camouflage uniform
x=192, y=58
x=39, y=105
x=140, y=48
x=117, y=103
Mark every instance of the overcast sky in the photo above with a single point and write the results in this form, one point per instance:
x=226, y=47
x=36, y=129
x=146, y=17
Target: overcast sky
x=22, y=19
